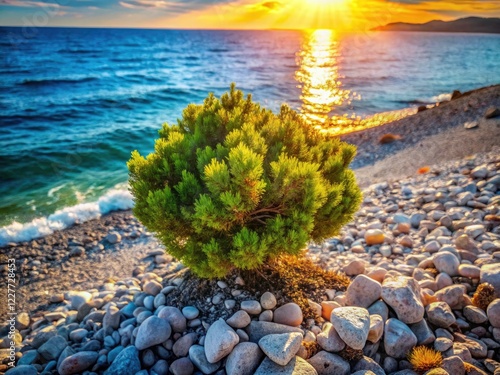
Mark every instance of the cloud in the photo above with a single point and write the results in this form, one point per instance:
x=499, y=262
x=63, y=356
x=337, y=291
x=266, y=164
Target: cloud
x=27, y=4
x=271, y=5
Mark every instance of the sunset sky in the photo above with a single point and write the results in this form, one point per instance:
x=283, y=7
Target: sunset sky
x=237, y=14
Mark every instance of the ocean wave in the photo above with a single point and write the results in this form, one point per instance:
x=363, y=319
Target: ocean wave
x=55, y=81
x=113, y=200
x=79, y=51
x=218, y=50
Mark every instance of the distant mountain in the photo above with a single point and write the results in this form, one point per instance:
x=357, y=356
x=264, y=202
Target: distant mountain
x=462, y=25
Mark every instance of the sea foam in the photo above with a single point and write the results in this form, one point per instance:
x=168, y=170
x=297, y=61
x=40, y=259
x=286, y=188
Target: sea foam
x=113, y=200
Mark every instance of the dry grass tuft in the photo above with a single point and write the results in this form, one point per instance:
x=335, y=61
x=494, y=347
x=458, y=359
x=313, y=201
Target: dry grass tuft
x=312, y=348
x=424, y=359
x=350, y=354
x=485, y=294
x=294, y=279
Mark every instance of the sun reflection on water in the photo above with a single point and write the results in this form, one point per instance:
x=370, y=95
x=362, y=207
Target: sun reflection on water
x=319, y=77
x=325, y=102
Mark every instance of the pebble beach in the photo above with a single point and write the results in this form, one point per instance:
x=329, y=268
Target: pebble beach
x=102, y=297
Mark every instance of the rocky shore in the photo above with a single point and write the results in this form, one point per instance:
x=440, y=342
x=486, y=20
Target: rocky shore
x=423, y=255
x=416, y=252
x=437, y=134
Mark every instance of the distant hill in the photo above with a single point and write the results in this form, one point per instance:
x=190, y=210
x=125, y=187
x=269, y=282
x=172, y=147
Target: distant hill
x=462, y=25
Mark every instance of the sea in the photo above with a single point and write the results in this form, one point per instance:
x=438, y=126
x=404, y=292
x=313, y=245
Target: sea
x=75, y=102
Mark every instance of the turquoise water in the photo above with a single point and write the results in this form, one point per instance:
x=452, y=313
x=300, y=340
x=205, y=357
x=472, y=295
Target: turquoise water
x=75, y=102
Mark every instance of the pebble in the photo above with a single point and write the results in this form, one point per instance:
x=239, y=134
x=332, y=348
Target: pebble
x=398, y=338
x=113, y=238
x=453, y=295
x=424, y=334
x=470, y=271
x=127, y=362
x=175, y=318
x=182, y=345
x=152, y=331
x=352, y=324
x=442, y=344
x=289, y=314
x=219, y=341
x=328, y=363
x=376, y=328
x=281, y=348
x=363, y=291
x=446, y=262
x=78, y=298
x=52, y=348
x=268, y=301
x=239, y=319
x=182, y=366
x=251, y=307
x=440, y=314
x=257, y=329
x=493, y=313
x=160, y=367
x=77, y=363
x=355, y=267
x=152, y=287
x=190, y=312
x=244, y=359
x=403, y=295
x=329, y=339
x=297, y=366
x=199, y=359
x=22, y=370
x=475, y=314
x=490, y=273
x=374, y=237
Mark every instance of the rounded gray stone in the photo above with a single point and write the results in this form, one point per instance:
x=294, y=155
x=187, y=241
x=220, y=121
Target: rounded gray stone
x=244, y=359
x=297, y=366
x=440, y=314
x=152, y=331
x=352, y=324
x=22, y=370
x=398, y=338
x=199, y=359
x=174, y=317
x=77, y=363
x=219, y=341
x=127, y=362
x=329, y=339
x=281, y=348
x=328, y=363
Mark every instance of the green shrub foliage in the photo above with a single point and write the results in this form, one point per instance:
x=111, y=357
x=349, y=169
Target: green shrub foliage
x=233, y=184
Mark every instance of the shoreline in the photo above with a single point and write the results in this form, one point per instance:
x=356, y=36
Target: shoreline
x=441, y=238
x=433, y=136
x=421, y=217
x=412, y=130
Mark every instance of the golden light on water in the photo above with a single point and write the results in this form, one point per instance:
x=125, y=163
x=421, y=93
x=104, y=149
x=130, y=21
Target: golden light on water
x=324, y=101
x=319, y=78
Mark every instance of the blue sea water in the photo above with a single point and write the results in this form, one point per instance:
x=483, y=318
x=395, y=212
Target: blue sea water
x=75, y=102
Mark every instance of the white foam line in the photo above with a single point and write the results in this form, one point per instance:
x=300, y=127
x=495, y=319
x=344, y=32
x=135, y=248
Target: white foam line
x=113, y=200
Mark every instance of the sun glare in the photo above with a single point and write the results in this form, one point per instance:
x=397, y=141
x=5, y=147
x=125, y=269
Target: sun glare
x=325, y=14
x=325, y=2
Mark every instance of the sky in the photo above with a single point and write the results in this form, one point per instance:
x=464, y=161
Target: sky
x=348, y=15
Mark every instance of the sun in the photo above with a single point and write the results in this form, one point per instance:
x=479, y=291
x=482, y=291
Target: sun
x=325, y=2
